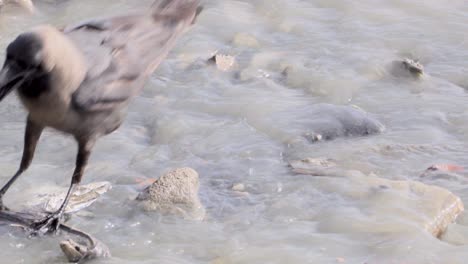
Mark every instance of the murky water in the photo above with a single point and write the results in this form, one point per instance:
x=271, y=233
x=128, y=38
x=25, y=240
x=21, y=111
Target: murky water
x=244, y=127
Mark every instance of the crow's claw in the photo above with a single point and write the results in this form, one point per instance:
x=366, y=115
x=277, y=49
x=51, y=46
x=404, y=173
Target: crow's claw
x=48, y=225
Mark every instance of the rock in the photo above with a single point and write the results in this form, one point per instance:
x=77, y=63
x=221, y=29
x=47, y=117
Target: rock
x=26, y=4
x=413, y=66
x=222, y=62
x=238, y=187
x=246, y=40
x=455, y=234
x=319, y=122
x=175, y=192
x=389, y=206
x=328, y=122
x=314, y=166
x=407, y=68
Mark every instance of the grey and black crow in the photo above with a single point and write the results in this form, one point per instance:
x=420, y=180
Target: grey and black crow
x=79, y=80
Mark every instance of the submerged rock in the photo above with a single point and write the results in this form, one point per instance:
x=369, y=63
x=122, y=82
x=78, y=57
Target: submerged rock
x=378, y=205
x=246, y=40
x=175, y=192
x=314, y=166
x=320, y=122
x=456, y=234
x=390, y=206
x=328, y=122
x=26, y=4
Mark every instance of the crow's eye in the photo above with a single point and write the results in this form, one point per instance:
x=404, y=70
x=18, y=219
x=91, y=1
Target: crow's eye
x=21, y=64
x=38, y=67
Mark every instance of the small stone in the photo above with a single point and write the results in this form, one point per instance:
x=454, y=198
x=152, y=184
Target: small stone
x=238, y=187
x=413, y=66
x=223, y=62
x=407, y=68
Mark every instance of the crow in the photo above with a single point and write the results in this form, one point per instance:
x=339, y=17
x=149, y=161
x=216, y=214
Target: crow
x=79, y=80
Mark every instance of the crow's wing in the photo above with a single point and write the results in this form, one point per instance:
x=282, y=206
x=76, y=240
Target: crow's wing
x=122, y=51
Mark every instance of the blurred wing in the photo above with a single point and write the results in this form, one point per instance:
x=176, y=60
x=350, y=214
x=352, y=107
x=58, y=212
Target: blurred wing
x=122, y=52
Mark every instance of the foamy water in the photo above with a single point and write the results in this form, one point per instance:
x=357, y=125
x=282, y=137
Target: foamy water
x=245, y=126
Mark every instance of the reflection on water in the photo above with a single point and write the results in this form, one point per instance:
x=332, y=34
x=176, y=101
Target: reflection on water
x=245, y=126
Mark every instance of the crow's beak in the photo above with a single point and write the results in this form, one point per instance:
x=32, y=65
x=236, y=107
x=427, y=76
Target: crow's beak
x=10, y=80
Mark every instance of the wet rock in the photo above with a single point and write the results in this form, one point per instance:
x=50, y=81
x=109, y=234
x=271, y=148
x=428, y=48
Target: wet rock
x=238, y=187
x=456, y=234
x=379, y=202
x=239, y=190
x=78, y=253
x=320, y=122
x=414, y=67
x=223, y=62
x=175, y=192
x=26, y=4
x=407, y=68
x=329, y=122
x=246, y=40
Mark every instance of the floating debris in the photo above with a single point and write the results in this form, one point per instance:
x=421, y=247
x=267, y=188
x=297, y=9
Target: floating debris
x=82, y=197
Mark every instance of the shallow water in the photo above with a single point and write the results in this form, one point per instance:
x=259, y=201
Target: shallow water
x=243, y=128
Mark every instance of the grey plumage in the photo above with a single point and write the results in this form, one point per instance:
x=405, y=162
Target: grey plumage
x=81, y=79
